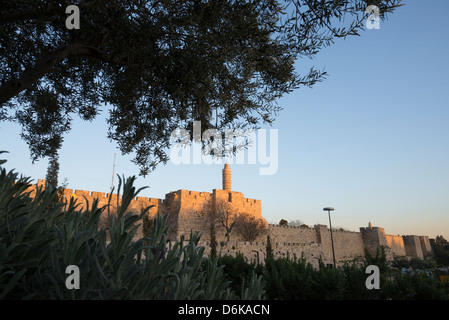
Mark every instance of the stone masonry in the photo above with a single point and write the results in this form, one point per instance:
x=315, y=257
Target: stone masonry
x=192, y=211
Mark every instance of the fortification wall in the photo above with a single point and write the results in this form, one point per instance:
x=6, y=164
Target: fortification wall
x=413, y=246
x=396, y=244
x=256, y=251
x=172, y=205
x=192, y=210
x=85, y=199
x=237, y=202
x=287, y=234
x=348, y=245
x=425, y=246
x=373, y=238
x=189, y=210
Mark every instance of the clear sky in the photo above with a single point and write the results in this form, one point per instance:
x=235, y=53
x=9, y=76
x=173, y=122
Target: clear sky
x=372, y=140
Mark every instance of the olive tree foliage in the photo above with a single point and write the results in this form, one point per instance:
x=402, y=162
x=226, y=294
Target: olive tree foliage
x=160, y=65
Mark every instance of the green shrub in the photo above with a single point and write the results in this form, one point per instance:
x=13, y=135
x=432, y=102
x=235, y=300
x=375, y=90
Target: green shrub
x=295, y=279
x=238, y=271
x=415, y=287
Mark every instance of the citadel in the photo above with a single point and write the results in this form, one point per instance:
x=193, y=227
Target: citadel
x=191, y=211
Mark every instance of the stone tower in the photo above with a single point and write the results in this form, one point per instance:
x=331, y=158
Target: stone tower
x=226, y=178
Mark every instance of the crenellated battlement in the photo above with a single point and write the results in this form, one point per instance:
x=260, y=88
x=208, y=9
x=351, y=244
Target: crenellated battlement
x=274, y=226
x=189, y=210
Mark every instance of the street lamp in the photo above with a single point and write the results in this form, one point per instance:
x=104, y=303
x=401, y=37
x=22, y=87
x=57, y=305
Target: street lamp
x=329, y=209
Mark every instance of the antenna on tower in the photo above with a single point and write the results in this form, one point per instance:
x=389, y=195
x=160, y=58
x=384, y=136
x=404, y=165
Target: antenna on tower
x=113, y=173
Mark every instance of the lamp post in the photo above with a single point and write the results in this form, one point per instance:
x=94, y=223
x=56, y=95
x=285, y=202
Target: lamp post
x=329, y=209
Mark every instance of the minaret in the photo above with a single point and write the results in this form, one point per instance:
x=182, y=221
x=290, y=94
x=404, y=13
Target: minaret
x=227, y=178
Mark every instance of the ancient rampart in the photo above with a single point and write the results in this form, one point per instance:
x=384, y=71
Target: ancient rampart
x=195, y=211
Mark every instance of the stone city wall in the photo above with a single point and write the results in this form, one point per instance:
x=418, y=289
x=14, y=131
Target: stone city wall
x=256, y=251
x=189, y=210
x=396, y=243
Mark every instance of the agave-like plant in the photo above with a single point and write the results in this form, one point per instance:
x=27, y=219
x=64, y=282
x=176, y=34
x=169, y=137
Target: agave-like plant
x=39, y=239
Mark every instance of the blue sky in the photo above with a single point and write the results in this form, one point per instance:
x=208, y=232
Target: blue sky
x=372, y=140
